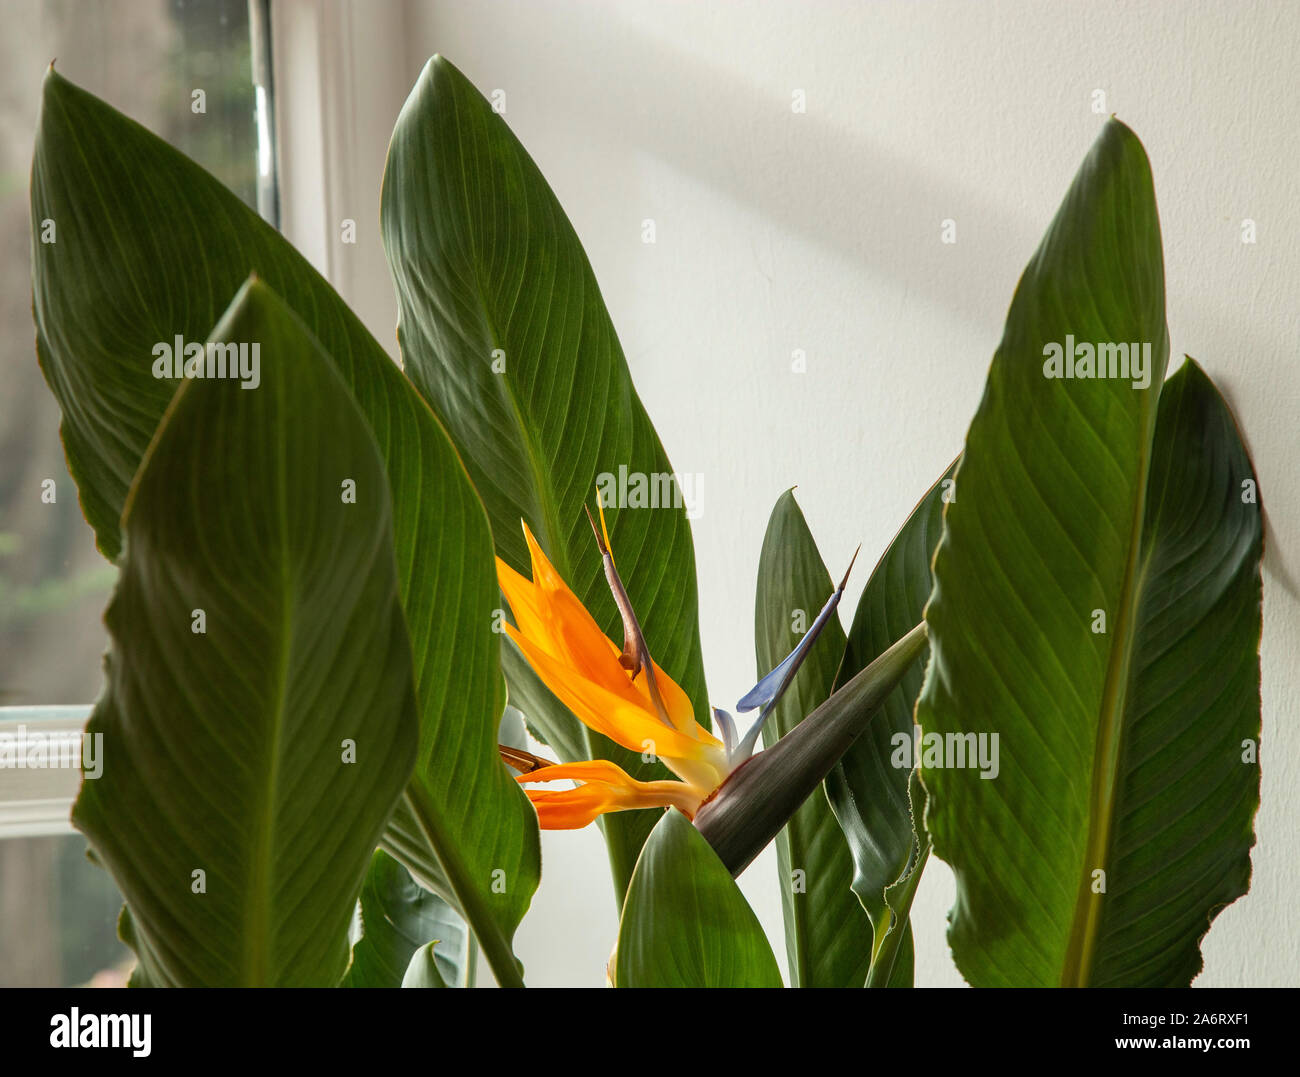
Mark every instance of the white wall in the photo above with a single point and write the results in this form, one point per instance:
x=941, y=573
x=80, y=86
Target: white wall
x=820, y=231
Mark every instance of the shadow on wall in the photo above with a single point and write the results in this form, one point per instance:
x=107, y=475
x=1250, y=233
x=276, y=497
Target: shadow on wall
x=644, y=96
x=755, y=150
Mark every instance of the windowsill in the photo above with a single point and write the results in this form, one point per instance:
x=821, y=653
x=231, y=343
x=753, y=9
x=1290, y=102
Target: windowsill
x=37, y=801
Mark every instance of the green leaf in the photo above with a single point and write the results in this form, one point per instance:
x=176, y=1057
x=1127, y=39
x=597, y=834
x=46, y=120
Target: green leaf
x=395, y=918
x=423, y=970
x=827, y=935
x=867, y=792
x=685, y=922
x=234, y=679
x=149, y=248
x=1122, y=751
x=503, y=330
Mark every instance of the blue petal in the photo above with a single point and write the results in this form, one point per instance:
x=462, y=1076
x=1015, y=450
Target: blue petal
x=767, y=692
x=771, y=686
x=769, y=689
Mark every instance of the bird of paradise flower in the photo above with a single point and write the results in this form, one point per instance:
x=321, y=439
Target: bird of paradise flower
x=623, y=694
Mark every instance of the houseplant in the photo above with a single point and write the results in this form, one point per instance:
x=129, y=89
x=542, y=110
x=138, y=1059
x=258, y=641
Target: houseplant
x=308, y=659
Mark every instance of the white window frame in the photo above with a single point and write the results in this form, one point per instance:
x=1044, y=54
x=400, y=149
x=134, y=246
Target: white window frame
x=340, y=78
x=36, y=803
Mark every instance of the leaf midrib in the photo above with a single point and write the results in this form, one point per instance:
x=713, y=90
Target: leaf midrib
x=1076, y=969
x=261, y=891
x=545, y=493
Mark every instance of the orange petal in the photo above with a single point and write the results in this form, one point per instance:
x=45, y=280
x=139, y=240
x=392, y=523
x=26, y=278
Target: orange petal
x=678, y=705
x=622, y=720
x=551, y=617
x=605, y=788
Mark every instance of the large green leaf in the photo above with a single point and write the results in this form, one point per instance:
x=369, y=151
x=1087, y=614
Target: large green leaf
x=503, y=330
x=150, y=248
x=253, y=751
x=1125, y=745
x=395, y=917
x=827, y=935
x=869, y=789
x=685, y=922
